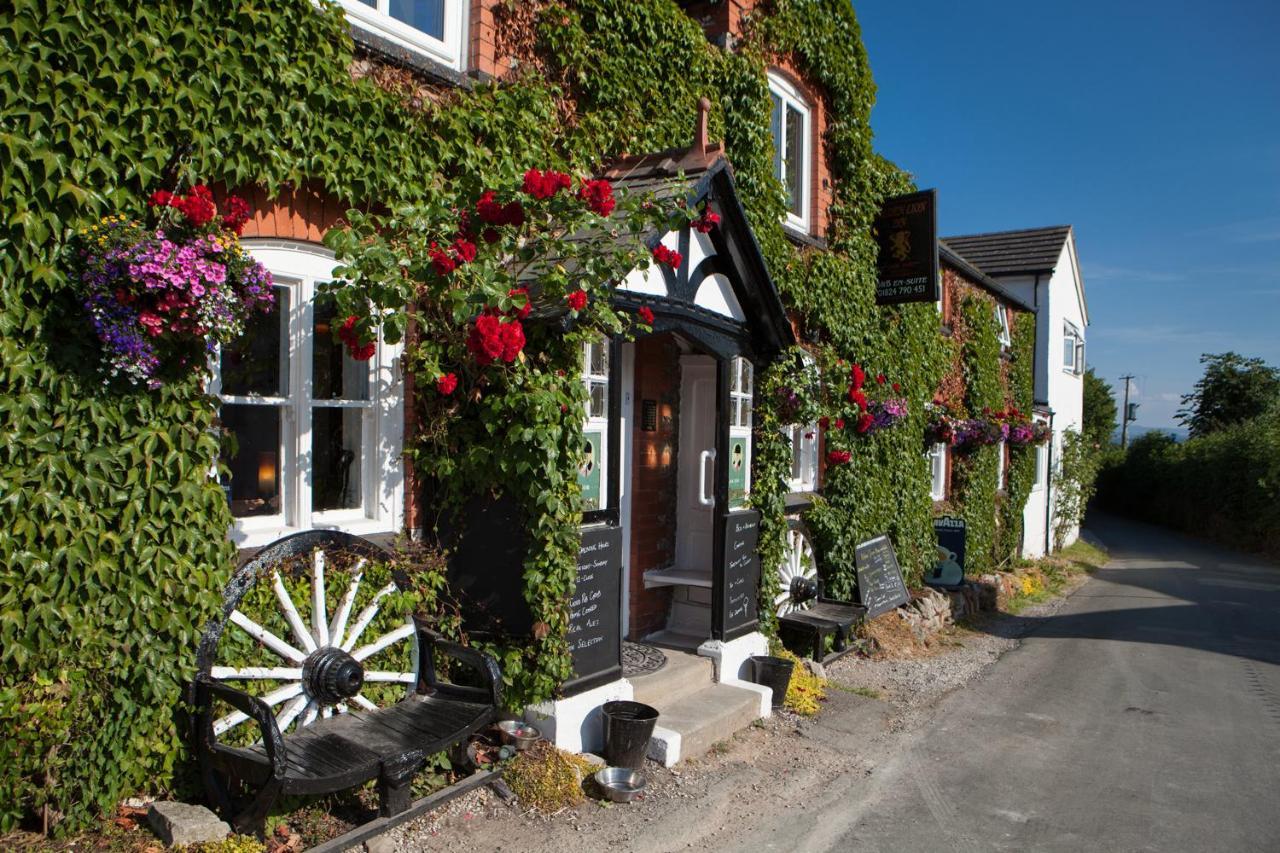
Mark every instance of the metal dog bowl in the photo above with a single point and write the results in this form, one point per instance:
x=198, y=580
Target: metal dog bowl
x=519, y=733
x=620, y=784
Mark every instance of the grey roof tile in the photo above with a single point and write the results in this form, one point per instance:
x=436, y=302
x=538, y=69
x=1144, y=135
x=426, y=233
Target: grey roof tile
x=1030, y=250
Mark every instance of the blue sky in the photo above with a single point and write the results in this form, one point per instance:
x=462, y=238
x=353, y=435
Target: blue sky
x=1152, y=127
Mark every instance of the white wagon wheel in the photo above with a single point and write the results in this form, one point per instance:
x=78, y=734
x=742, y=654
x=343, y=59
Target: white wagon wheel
x=797, y=573
x=317, y=642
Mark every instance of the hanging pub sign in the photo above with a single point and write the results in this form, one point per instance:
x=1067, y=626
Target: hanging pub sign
x=907, y=233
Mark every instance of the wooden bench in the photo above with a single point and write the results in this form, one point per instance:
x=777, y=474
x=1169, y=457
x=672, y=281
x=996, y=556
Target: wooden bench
x=824, y=618
x=318, y=734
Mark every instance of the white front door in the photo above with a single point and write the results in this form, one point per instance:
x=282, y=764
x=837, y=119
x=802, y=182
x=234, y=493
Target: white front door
x=696, y=478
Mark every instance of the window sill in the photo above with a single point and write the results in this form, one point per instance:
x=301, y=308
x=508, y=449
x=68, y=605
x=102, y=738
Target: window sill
x=256, y=537
x=408, y=58
x=802, y=237
x=798, y=501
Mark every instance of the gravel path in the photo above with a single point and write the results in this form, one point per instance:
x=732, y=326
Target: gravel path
x=747, y=781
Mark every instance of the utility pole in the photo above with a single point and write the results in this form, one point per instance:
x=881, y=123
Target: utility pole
x=1125, y=414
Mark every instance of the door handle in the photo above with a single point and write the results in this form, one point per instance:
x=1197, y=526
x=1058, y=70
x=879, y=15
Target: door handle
x=703, y=497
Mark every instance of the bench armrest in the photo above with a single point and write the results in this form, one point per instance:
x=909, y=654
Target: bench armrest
x=257, y=710
x=483, y=664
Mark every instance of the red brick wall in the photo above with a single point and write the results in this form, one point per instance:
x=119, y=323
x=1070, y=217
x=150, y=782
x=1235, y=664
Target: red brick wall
x=653, y=483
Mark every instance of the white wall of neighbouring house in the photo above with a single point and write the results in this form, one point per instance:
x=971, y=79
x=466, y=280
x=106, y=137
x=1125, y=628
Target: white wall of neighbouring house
x=1059, y=299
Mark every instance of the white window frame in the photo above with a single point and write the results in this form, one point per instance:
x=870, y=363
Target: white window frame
x=1002, y=466
x=1042, y=466
x=741, y=397
x=790, y=96
x=804, y=436
x=447, y=51
x=300, y=267
x=937, y=457
x=1072, y=336
x=1002, y=318
x=598, y=422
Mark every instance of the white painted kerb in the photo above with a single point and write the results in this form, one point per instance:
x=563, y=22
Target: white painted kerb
x=574, y=723
x=733, y=664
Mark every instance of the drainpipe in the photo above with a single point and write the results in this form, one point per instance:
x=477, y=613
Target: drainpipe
x=1048, y=487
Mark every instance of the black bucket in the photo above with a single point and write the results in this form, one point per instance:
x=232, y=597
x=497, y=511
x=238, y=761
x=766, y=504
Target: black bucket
x=774, y=673
x=627, y=729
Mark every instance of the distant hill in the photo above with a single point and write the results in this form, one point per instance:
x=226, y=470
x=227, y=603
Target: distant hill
x=1135, y=430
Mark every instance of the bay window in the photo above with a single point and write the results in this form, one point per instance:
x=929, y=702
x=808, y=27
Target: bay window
x=312, y=436
x=791, y=157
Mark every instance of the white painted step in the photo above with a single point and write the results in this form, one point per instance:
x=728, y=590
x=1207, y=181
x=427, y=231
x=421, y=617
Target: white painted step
x=688, y=726
x=682, y=675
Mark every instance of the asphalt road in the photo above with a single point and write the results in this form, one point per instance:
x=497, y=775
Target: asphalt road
x=1143, y=716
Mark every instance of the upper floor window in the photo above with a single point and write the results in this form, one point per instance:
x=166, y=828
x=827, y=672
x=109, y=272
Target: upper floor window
x=312, y=435
x=431, y=27
x=791, y=160
x=804, y=457
x=1072, y=349
x=1002, y=320
x=593, y=468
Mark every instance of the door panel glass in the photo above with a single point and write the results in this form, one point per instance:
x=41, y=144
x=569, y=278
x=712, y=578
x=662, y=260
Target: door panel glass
x=251, y=454
x=336, y=435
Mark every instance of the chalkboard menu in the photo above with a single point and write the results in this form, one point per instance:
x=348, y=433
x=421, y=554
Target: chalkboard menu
x=949, y=570
x=741, y=571
x=595, y=632
x=880, y=586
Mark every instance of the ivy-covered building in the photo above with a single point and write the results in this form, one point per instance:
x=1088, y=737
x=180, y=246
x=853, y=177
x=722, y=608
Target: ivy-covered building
x=705, y=423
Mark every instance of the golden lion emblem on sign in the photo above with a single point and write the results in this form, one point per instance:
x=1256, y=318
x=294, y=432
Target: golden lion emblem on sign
x=900, y=245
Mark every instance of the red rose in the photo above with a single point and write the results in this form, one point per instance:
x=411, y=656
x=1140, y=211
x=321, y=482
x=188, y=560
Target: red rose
x=708, y=220
x=491, y=235
x=441, y=261
x=485, y=341
x=523, y=311
x=865, y=422
x=896, y=387
x=858, y=398
x=577, y=300
x=465, y=250
x=880, y=379
x=543, y=185
x=488, y=208
x=598, y=196
x=512, y=214
x=645, y=314
x=447, y=383
x=237, y=215
x=839, y=423
x=669, y=257
x=857, y=376
x=160, y=198
x=361, y=353
x=824, y=422
x=512, y=334
x=838, y=457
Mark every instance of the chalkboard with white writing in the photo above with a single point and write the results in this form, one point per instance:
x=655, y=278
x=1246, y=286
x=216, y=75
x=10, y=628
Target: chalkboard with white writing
x=595, y=630
x=741, y=571
x=880, y=586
